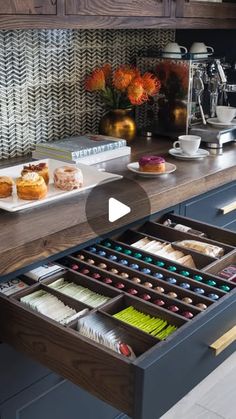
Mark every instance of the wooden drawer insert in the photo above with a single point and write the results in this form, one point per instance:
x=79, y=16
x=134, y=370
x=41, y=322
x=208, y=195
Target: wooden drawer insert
x=143, y=388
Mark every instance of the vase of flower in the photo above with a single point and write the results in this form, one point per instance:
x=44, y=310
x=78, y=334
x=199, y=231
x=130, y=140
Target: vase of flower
x=118, y=123
x=120, y=91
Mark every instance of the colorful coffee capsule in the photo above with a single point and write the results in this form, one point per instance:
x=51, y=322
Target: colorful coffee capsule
x=158, y=302
x=159, y=289
x=199, y=291
x=107, y=281
x=185, y=273
x=112, y=257
x=172, y=268
x=147, y=284
x=198, y=278
x=173, y=308
x=85, y=271
x=160, y=264
x=138, y=255
x=92, y=249
x=101, y=253
x=120, y=285
x=134, y=266
x=187, y=300
x=172, y=281
x=96, y=275
x=123, y=262
x=107, y=244
x=158, y=275
x=132, y=291
x=202, y=306
x=124, y=275
x=214, y=297
x=210, y=282
x=136, y=280
x=80, y=257
x=102, y=265
x=172, y=294
x=90, y=261
x=74, y=266
x=114, y=271
x=185, y=285
x=118, y=248
x=127, y=252
x=225, y=288
x=148, y=259
x=146, y=271
x=145, y=297
x=187, y=314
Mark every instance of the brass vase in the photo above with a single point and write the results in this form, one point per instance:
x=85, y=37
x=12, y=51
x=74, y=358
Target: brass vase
x=118, y=123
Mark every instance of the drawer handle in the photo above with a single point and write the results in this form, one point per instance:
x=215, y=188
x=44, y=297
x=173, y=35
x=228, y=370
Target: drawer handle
x=228, y=208
x=224, y=341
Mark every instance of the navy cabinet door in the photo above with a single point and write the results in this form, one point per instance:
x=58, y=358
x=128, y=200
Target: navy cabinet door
x=55, y=398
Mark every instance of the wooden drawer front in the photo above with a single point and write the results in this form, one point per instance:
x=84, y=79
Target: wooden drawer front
x=208, y=207
x=103, y=374
x=198, y=9
x=188, y=362
x=28, y=7
x=117, y=7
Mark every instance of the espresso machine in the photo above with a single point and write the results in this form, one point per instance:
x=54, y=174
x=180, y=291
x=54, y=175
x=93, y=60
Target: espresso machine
x=191, y=90
x=209, y=87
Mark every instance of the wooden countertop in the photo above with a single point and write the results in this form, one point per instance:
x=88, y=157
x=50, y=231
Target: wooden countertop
x=33, y=235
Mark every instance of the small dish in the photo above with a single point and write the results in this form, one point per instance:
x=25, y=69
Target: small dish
x=217, y=123
x=134, y=167
x=178, y=154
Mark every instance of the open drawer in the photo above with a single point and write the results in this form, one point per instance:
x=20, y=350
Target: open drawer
x=169, y=361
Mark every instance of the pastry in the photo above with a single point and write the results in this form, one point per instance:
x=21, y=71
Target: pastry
x=31, y=186
x=68, y=178
x=41, y=169
x=152, y=164
x=6, y=185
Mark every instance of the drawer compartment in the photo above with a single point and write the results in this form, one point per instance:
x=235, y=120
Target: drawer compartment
x=170, y=359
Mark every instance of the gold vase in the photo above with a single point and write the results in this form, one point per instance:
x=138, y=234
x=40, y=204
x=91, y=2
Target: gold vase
x=118, y=123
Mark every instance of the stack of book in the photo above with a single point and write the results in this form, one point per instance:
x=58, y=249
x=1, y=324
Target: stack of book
x=86, y=149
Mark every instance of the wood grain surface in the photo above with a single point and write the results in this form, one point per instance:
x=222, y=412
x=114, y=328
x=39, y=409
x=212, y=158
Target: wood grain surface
x=34, y=234
x=28, y=7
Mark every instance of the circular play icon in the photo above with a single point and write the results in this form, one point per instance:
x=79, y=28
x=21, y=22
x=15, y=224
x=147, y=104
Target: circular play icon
x=113, y=205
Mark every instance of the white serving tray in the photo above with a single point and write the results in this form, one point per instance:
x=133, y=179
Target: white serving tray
x=92, y=177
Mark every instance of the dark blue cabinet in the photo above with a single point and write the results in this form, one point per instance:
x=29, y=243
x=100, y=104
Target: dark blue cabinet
x=208, y=207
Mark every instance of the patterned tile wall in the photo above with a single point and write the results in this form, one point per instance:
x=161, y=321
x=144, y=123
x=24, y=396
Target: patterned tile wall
x=42, y=74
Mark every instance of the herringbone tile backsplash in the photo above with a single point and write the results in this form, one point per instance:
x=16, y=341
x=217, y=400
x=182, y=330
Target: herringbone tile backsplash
x=42, y=72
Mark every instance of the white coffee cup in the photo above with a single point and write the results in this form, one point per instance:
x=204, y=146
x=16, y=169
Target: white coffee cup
x=200, y=50
x=173, y=50
x=225, y=114
x=188, y=144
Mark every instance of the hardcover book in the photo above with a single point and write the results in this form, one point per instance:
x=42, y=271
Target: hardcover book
x=81, y=146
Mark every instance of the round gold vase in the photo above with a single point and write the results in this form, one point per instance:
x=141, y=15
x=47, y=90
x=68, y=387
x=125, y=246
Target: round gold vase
x=118, y=123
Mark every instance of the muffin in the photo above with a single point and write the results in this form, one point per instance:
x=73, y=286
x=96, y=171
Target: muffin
x=31, y=186
x=6, y=186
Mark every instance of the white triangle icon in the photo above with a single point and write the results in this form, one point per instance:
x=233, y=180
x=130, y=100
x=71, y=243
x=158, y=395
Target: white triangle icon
x=116, y=210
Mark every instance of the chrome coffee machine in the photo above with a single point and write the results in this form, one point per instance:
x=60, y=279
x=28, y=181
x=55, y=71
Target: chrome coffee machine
x=209, y=87
x=191, y=90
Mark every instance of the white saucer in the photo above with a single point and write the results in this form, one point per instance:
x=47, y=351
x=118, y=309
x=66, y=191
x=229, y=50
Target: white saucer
x=134, y=167
x=178, y=154
x=214, y=121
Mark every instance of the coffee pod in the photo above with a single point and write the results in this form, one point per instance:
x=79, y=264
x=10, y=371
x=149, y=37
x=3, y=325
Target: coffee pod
x=159, y=289
x=136, y=280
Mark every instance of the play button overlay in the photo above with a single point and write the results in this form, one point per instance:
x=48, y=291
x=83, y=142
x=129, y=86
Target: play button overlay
x=116, y=204
x=116, y=210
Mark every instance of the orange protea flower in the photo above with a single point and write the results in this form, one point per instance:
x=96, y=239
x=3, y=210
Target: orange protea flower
x=151, y=84
x=96, y=81
x=122, y=77
x=136, y=92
